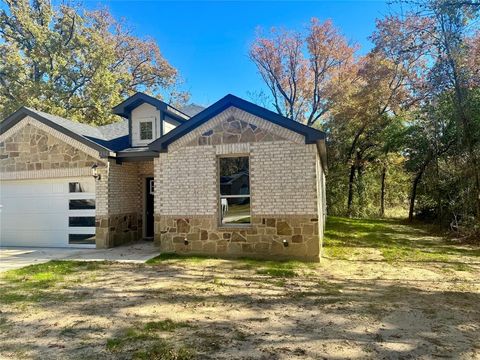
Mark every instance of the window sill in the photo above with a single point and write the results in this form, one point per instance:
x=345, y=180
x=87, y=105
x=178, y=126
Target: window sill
x=234, y=227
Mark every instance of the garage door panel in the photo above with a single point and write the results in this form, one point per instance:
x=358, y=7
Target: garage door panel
x=36, y=212
x=26, y=189
x=26, y=205
x=23, y=237
x=50, y=221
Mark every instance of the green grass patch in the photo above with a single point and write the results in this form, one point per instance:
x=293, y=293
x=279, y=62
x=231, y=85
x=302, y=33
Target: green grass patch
x=277, y=269
x=393, y=239
x=278, y=282
x=277, y=272
x=162, y=350
x=165, y=325
x=281, y=269
x=167, y=257
x=261, y=267
x=144, y=342
x=35, y=283
x=46, y=274
x=128, y=336
x=398, y=253
x=218, y=281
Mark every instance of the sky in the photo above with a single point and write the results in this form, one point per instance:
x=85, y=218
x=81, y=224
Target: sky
x=208, y=42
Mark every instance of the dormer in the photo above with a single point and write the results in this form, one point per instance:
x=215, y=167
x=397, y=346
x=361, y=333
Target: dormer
x=148, y=118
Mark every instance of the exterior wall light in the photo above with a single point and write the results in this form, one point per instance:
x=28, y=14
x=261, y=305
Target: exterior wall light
x=95, y=173
x=285, y=242
x=185, y=241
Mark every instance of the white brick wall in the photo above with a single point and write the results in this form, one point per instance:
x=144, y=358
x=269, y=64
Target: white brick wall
x=145, y=167
x=283, y=178
x=120, y=188
x=283, y=175
x=186, y=182
x=123, y=188
x=101, y=192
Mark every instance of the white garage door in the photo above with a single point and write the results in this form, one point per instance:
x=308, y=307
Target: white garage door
x=49, y=212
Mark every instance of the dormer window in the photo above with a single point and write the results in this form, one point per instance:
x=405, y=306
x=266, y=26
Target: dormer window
x=146, y=130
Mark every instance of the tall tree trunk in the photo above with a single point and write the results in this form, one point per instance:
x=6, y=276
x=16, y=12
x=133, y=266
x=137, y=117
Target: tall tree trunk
x=413, y=195
x=351, y=181
x=360, y=190
x=438, y=192
x=415, y=183
x=350, y=189
x=382, y=193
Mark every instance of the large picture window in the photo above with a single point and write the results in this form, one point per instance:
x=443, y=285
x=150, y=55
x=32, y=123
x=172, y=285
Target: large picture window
x=234, y=190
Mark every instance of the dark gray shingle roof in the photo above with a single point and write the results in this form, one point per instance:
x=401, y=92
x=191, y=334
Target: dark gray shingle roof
x=112, y=136
x=114, y=130
x=192, y=109
x=76, y=127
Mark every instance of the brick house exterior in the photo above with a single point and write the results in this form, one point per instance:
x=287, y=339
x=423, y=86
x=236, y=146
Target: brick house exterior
x=157, y=174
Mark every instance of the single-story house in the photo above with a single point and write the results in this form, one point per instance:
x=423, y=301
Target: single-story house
x=233, y=179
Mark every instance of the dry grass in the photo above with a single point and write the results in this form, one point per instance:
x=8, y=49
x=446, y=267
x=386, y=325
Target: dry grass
x=384, y=290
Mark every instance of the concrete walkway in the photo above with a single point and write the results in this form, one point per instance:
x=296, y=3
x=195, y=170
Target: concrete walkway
x=18, y=257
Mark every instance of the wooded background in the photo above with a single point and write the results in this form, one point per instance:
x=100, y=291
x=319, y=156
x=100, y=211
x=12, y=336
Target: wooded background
x=403, y=121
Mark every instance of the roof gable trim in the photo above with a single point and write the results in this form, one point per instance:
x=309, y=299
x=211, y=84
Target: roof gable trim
x=311, y=135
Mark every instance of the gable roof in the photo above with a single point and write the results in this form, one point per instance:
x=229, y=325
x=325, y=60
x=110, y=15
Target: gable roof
x=86, y=134
x=126, y=106
x=311, y=135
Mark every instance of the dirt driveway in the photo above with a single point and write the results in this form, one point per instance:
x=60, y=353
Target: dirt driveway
x=362, y=305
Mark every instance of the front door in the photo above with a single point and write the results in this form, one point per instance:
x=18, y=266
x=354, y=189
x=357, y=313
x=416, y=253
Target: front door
x=149, y=220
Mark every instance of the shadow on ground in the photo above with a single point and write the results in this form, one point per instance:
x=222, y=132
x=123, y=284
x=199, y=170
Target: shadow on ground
x=208, y=308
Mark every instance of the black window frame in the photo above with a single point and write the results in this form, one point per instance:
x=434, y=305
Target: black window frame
x=222, y=196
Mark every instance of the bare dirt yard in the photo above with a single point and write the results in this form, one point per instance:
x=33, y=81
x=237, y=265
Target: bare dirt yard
x=383, y=290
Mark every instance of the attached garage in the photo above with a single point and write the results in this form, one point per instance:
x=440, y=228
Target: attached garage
x=48, y=212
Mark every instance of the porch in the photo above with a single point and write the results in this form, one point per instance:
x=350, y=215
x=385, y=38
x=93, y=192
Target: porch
x=124, y=196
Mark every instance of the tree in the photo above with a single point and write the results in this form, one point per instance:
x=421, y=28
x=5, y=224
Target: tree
x=75, y=63
x=393, y=140
x=440, y=31
x=430, y=135
x=382, y=91
x=304, y=84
